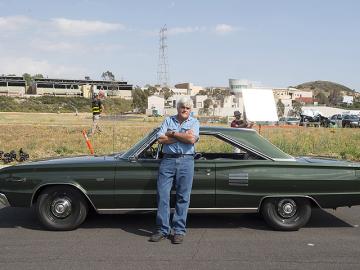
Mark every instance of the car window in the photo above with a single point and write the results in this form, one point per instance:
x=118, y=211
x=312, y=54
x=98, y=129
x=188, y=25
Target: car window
x=212, y=147
x=212, y=144
x=209, y=147
x=153, y=151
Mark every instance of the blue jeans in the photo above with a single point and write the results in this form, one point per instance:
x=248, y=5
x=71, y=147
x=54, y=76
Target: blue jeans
x=181, y=170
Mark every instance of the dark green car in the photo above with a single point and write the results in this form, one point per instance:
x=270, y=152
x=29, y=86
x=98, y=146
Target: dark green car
x=236, y=170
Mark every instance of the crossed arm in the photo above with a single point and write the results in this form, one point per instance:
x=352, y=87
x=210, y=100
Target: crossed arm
x=185, y=137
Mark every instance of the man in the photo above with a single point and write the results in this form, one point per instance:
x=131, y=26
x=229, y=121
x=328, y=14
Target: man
x=239, y=123
x=97, y=108
x=178, y=134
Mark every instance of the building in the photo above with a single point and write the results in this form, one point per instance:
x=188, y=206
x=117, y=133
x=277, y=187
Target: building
x=65, y=87
x=348, y=100
x=12, y=86
x=198, y=100
x=291, y=93
x=156, y=105
x=236, y=85
x=191, y=89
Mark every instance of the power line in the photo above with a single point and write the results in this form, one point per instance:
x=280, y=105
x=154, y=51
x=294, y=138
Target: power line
x=162, y=73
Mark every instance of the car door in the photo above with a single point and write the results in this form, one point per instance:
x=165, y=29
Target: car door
x=234, y=168
x=203, y=190
x=135, y=183
x=234, y=183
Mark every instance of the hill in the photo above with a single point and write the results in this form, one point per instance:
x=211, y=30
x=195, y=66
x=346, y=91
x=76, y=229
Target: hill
x=327, y=88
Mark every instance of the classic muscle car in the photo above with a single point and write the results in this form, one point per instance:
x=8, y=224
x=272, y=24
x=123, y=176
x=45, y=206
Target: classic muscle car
x=257, y=178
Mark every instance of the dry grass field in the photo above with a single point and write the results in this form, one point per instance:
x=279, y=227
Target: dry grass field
x=45, y=135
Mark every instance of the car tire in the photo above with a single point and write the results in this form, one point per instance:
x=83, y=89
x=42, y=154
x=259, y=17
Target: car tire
x=61, y=208
x=286, y=214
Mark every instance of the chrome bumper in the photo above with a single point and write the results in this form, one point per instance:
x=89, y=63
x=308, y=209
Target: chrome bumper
x=3, y=201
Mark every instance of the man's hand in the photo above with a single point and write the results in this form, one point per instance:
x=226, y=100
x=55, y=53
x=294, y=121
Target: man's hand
x=164, y=139
x=186, y=137
x=170, y=133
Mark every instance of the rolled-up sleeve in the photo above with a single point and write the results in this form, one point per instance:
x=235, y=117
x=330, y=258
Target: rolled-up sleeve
x=163, y=128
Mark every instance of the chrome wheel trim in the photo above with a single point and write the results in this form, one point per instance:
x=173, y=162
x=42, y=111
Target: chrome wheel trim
x=286, y=208
x=61, y=207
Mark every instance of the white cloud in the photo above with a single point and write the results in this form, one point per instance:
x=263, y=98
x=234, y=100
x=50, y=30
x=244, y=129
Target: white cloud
x=185, y=30
x=106, y=47
x=43, y=45
x=69, y=47
x=224, y=28
x=84, y=27
x=15, y=23
x=21, y=65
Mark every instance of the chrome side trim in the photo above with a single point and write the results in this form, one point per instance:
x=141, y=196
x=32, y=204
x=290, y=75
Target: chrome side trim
x=78, y=187
x=239, y=179
x=4, y=201
x=290, y=196
x=191, y=210
x=284, y=159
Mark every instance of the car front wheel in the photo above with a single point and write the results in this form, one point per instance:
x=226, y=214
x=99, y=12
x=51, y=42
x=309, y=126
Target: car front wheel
x=61, y=208
x=286, y=214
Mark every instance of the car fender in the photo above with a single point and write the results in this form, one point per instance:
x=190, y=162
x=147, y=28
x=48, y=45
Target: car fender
x=314, y=202
x=41, y=187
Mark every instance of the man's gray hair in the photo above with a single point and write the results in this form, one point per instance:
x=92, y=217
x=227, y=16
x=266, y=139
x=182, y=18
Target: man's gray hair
x=184, y=101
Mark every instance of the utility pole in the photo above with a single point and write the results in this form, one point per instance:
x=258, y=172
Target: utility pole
x=162, y=73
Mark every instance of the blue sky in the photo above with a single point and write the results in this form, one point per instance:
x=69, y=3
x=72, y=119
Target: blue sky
x=274, y=43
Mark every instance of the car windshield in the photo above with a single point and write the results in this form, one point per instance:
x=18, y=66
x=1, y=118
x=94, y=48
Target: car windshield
x=139, y=144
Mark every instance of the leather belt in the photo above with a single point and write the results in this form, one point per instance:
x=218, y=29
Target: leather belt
x=177, y=155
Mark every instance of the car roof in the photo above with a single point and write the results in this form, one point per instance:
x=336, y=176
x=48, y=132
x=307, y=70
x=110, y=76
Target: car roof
x=250, y=138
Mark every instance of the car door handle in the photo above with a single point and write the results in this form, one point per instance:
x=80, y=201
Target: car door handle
x=16, y=179
x=206, y=171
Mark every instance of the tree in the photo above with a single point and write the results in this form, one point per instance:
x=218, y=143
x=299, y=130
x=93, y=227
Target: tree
x=38, y=76
x=151, y=90
x=108, y=76
x=297, y=107
x=280, y=108
x=207, y=103
x=322, y=98
x=139, y=101
x=166, y=92
x=202, y=92
x=334, y=97
x=28, y=79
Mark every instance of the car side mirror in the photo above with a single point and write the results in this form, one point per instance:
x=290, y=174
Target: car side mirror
x=133, y=159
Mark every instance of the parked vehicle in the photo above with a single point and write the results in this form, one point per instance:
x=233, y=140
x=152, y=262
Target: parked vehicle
x=336, y=119
x=317, y=120
x=289, y=121
x=351, y=121
x=347, y=120
x=260, y=178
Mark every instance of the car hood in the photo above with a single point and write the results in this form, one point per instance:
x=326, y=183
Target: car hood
x=59, y=162
x=330, y=161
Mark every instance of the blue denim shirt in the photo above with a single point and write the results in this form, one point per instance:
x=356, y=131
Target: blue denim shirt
x=172, y=124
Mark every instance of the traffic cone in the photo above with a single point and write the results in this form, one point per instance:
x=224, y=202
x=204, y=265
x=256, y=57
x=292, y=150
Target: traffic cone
x=88, y=143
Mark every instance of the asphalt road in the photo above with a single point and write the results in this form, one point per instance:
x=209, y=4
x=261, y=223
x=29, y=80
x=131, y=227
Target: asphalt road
x=331, y=240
